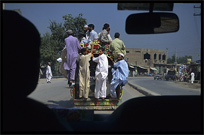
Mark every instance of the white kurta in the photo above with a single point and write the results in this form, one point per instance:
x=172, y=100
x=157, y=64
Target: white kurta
x=101, y=74
x=48, y=73
x=192, y=77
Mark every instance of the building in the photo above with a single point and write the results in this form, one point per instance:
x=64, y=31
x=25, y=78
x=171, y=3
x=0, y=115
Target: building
x=147, y=60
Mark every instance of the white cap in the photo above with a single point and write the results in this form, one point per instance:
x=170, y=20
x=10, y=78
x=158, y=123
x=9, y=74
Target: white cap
x=86, y=26
x=121, y=54
x=59, y=59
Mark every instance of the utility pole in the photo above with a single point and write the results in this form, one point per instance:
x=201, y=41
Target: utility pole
x=197, y=14
x=175, y=57
x=175, y=61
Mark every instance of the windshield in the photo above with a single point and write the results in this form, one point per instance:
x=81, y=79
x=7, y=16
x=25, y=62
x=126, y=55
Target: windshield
x=146, y=55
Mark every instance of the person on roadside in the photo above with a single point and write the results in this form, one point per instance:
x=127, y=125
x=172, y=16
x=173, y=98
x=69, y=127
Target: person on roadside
x=104, y=35
x=100, y=74
x=117, y=46
x=120, y=73
x=48, y=73
x=192, y=77
x=84, y=73
x=72, y=47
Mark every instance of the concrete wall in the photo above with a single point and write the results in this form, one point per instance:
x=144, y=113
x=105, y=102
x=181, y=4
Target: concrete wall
x=146, y=57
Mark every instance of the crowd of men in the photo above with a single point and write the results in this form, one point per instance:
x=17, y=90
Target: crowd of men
x=117, y=48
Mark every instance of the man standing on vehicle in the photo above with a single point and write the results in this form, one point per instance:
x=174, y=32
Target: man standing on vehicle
x=120, y=73
x=84, y=73
x=86, y=31
x=72, y=47
x=117, y=46
x=104, y=35
x=93, y=35
x=101, y=73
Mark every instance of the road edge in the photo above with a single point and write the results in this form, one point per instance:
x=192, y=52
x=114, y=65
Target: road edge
x=143, y=90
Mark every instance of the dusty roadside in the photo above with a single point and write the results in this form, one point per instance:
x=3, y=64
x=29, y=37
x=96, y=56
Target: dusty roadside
x=189, y=85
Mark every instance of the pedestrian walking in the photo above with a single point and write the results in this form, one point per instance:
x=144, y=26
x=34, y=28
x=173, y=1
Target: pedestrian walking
x=192, y=77
x=48, y=73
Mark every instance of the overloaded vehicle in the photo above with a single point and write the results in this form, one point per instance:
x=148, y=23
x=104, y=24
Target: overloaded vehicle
x=158, y=76
x=171, y=75
x=108, y=103
x=148, y=114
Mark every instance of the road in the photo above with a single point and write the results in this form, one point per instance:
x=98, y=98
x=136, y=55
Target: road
x=57, y=93
x=163, y=87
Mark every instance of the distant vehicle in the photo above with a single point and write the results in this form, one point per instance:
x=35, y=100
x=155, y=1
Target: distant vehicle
x=158, y=76
x=146, y=74
x=171, y=75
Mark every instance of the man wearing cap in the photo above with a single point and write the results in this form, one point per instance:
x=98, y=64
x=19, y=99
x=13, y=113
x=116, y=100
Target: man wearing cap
x=117, y=46
x=86, y=31
x=120, y=73
x=72, y=47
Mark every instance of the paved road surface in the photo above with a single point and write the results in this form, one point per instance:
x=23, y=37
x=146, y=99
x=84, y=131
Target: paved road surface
x=163, y=87
x=57, y=93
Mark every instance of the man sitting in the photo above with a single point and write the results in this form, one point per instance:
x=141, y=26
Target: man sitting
x=120, y=73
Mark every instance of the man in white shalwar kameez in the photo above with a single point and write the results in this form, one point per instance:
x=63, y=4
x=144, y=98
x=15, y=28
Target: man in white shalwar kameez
x=120, y=73
x=101, y=73
x=192, y=77
x=48, y=73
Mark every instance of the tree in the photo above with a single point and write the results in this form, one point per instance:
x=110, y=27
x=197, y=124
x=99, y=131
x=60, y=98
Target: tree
x=171, y=60
x=52, y=44
x=75, y=24
x=183, y=60
x=180, y=60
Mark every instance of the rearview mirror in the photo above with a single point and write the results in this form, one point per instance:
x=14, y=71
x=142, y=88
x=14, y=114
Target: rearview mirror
x=152, y=23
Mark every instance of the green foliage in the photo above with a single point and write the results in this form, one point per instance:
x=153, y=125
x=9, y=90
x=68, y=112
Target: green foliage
x=180, y=60
x=52, y=44
x=75, y=24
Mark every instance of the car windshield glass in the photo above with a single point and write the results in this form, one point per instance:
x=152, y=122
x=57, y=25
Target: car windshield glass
x=103, y=25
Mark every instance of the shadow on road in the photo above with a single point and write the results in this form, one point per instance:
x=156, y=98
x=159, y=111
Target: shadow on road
x=62, y=103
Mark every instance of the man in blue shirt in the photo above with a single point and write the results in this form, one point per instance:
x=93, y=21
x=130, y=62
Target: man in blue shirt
x=93, y=35
x=120, y=73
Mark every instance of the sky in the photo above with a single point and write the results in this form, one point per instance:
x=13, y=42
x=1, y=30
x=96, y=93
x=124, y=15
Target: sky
x=187, y=41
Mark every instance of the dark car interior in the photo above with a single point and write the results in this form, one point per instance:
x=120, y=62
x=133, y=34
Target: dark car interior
x=150, y=114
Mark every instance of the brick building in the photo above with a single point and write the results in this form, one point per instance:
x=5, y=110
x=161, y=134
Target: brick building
x=151, y=60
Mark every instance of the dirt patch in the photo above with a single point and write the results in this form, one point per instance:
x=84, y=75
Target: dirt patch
x=188, y=85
